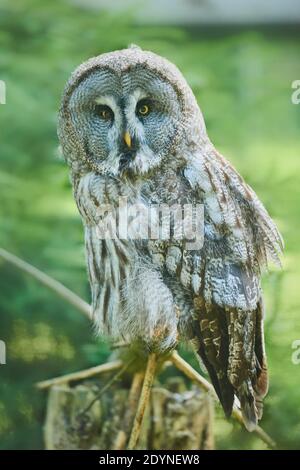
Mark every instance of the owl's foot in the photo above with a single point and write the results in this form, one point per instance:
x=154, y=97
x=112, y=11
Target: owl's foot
x=161, y=339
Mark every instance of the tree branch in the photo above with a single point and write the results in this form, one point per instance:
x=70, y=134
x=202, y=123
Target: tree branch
x=48, y=281
x=133, y=399
x=80, y=375
x=143, y=401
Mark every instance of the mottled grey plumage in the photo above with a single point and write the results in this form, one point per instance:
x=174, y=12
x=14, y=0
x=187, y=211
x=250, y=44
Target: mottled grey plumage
x=159, y=291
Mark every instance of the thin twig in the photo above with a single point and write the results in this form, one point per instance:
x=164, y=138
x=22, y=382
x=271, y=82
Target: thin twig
x=48, y=281
x=80, y=375
x=133, y=398
x=106, y=387
x=144, y=399
x=119, y=344
x=190, y=372
x=184, y=367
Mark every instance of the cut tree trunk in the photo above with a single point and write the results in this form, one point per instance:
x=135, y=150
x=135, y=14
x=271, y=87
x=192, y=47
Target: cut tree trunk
x=176, y=419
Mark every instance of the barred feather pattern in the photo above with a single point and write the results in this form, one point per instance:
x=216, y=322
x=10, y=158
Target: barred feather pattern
x=225, y=322
x=159, y=291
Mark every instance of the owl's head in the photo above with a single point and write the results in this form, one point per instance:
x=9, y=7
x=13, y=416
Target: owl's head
x=126, y=112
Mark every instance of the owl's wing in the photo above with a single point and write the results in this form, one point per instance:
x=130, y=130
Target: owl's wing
x=224, y=276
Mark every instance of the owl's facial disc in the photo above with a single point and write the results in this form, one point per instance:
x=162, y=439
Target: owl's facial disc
x=127, y=123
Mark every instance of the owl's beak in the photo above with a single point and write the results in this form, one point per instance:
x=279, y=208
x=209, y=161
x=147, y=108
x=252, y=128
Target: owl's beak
x=127, y=139
x=127, y=151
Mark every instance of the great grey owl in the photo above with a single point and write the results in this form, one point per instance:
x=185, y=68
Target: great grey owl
x=130, y=127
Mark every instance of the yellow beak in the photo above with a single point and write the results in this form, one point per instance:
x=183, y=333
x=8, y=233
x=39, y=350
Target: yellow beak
x=127, y=139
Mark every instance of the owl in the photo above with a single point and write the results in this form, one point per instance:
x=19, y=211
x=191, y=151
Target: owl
x=130, y=129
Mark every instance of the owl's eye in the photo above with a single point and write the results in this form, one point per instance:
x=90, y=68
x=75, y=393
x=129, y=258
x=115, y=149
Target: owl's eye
x=143, y=108
x=104, y=112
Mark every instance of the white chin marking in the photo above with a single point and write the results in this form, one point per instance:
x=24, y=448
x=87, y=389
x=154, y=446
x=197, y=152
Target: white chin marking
x=144, y=160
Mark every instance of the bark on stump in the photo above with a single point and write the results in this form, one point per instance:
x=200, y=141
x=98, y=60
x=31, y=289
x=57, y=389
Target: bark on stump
x=176, y=419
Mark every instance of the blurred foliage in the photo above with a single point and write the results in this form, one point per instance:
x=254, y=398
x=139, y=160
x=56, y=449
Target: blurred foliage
x=242, y=80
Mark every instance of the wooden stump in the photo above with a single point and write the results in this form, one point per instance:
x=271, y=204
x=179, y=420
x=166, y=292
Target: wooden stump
x=176, y=419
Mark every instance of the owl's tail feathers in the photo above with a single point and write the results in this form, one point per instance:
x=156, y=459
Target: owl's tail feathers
x=248, y=405
x=247, y=368
x=251, y=401
x=231, y=347
x=222, y=386
x=212, y=348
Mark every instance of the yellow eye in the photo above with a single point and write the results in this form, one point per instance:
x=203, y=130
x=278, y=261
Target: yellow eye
x=105, y=113
x=143, y=109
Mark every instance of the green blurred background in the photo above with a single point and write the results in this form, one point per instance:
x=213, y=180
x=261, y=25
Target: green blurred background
x=242, y=78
